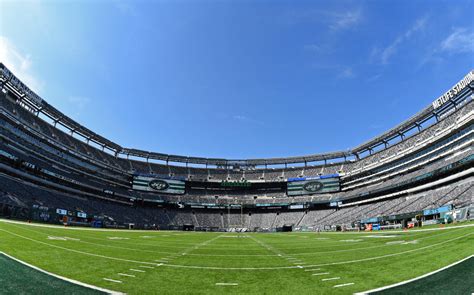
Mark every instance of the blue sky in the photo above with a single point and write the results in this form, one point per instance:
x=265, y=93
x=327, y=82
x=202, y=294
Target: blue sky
x=238, y=79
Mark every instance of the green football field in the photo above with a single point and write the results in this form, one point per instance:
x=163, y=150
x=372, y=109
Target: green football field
x=169, y=262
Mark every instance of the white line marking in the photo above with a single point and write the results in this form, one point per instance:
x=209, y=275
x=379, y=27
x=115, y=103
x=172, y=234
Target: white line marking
x=415, y=279
x=313, y=269
x=137, y=270
x=61, y=277
x=227, y=284
x=145, y=266
x=393, y=254
x=125, y=275
x=300, y=266
x=245, y=255
x=110, y=280
x=331, y=279
x=343, y=285
x=320, y=274
x=237, y=268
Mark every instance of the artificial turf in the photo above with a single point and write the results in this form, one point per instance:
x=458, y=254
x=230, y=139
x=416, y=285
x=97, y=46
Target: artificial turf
x=253, y=263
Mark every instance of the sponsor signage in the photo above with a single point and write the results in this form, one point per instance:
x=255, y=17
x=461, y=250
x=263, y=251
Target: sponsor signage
x=271, y=205
x=370, y=220
x=22, y=88
x=61, y=211
x=454, y=91
x=313, y=177
x=109, y=192
x=81, y=215
x=335, y=204
x=153, y=200
x=8, y=155
x=168, y=186
x=437, y=210
x=237, y=183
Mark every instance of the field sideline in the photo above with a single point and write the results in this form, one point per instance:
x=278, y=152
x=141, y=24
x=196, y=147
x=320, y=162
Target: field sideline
x=137, y=262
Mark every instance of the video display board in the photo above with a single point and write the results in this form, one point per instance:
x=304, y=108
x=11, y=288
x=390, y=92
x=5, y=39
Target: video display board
x=151, y=184
x=313, y=185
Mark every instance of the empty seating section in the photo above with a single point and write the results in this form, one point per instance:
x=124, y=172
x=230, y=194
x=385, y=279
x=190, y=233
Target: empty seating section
x=95, y=180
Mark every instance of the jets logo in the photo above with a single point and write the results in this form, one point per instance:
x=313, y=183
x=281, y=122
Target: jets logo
x=313, y=186
x=158, y=185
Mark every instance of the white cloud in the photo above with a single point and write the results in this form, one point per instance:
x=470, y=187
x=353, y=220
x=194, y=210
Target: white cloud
x=374, y=78
x=461, y=40
x=19, y=63
x=419, y=25
x=345, y=20
x=385, y=54
x=346, y=73
x=335, y=20
x=244, y=118
x=312, y=47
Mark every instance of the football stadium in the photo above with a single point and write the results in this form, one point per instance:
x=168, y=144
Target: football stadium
x=83, y=214
x=402, y=200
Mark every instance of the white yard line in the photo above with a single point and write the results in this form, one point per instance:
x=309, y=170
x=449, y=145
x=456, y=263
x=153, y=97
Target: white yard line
x=343, y=285
x=407, y=231
x=137, y=270
x=414, y=279
x=298, y=262
x=61, y=277
x=145, y=266
x=243, y=255
x=391, y=255
x=227, y=284
x=197, y=246
x=125, y=275
x=110, y=280
x=331, y=279
x=238, y=268
x=320, y=274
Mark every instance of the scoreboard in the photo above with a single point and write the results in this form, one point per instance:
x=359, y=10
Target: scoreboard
x=313, y=185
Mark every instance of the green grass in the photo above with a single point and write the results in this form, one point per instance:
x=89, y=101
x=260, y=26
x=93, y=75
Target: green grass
x=260, y=263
